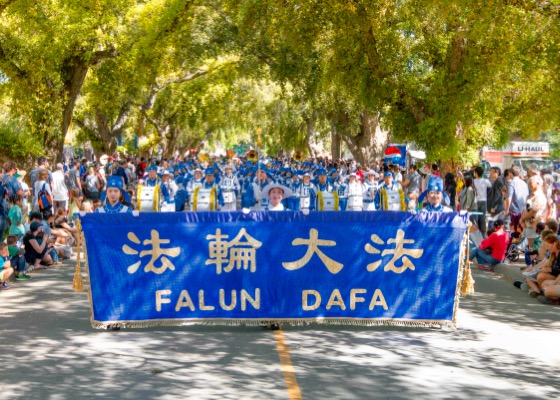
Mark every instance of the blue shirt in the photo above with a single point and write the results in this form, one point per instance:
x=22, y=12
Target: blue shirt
x=517, y=192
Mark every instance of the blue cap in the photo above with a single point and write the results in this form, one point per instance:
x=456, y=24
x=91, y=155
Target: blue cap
x=387, y=174
x=209, y=171
x=321, y=172
x=117, y=182
x=151, y=168
x=435, y=184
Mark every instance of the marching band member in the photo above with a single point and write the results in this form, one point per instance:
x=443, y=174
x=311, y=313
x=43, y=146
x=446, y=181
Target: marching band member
x=293, y=200
x=195, y=182
x=208, y=196
x=259, y=184
x=169, y=193
x=115, y=197
x=354, y=193
x=369, y=189
x=306, y=193
x=326, y=195
x=341, y=187
x=436, y=196
x=229, y=186
x=390, y=196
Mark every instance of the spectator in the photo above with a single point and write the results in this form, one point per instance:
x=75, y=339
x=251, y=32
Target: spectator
x=59, y=189
x=516, y=197
x=121, y=171
x=36, y=249
x=550, y=269
x=534, y=250
x=548, y=189
x=495, y=203
x=467, y=197
x=16, y=218
x=61, y=224
x=34, y=175
x=451, y=189
x=41, y=184
x=496, y=243
x=26, y=193
x=535, y=210
x=482, y=186
x=74, y=177
x=92, y=185
x=412, y=184
x=17, y=259
x=6, y=269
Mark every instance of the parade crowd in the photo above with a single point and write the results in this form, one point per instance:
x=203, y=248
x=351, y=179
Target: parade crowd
x=511, y=214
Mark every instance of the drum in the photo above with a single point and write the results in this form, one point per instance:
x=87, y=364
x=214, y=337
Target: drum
x=229, y=197
x=355, y=202
x=148, y=198
x=168, y=207
x=393, y=200
x=202, y=200
x=330, y=203
x=304, y=203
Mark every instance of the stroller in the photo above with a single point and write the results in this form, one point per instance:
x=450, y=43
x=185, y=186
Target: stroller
x=512, y=252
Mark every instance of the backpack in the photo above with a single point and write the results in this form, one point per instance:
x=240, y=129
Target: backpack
x=44, y=198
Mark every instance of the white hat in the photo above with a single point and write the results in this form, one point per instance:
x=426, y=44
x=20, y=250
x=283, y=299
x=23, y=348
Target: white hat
x=353, y=174
x=167, y=172
x=270, y=186
x=370, y=172
x=230, y=166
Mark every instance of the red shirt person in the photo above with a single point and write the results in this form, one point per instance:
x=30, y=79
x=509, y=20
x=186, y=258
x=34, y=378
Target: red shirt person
x=497, y=242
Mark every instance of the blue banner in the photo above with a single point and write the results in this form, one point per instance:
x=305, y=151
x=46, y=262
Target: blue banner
x=369, y=268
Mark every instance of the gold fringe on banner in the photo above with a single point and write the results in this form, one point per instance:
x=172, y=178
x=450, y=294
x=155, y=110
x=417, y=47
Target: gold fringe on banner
x=467, y=285
x=405, y=323
x=78, y=284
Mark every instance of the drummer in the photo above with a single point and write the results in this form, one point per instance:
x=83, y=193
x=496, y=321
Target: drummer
x=229, y=185
x=390, y=196
x=116, y=197
x=354, y=193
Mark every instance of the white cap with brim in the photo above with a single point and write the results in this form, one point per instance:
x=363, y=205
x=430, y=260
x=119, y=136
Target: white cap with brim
x=269, y=187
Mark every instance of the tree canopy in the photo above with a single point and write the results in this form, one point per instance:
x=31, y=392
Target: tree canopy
x=450, y=76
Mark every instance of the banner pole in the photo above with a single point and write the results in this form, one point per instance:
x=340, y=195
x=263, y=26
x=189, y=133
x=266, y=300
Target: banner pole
x=78, y=283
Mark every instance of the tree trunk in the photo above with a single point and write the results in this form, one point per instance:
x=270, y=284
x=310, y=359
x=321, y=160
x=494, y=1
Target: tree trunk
x=367, y=146
x=336, y=151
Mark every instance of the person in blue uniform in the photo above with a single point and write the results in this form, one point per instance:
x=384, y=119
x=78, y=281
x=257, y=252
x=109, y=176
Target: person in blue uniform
x=341, y=187
x=389, y=196
x=436, y=196
x=116, y=197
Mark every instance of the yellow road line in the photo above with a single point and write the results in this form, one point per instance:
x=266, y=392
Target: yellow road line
x=287, y=368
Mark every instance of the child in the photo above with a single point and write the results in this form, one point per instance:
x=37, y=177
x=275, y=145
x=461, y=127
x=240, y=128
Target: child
x=16, y=218
x=6, y=269
x=17, y=260
x=537, y=242
x=97, y=204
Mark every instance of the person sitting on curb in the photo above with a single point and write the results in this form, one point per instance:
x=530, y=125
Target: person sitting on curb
x=497, y=242
x=549, y=272
x=35, y=252
x=6, y=269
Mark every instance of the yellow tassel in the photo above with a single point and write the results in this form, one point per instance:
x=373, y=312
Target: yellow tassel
x=138, y=197
x=467, y=284
x=384, y=199
x=156, y=199
x=403, y=203
x=195, y=197
x=336, y=200
x=213, y=199
x=321, y=202
x=78, y=284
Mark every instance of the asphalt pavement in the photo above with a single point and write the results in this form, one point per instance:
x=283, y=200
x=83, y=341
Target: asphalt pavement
x=504, y=347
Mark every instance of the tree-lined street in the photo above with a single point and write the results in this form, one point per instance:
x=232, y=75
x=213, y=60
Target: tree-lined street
x=502, y=349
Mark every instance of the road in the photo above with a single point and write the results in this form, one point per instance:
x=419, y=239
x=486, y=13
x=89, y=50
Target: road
x=504, y=347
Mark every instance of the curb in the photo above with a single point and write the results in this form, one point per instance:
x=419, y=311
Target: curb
x=510, y=271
